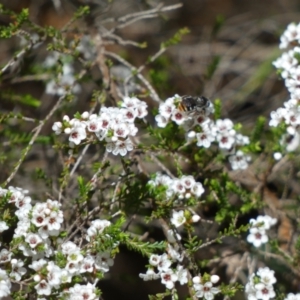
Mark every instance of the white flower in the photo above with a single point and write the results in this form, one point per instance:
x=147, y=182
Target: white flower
x=5, y=284
x=291, y=142
x=54, y=274
x=57, y=127
x=82, y=292
x=168, y=278
x=277, y=117
x=214, y=278
x=182, y=274
x=226, y=139
x=93, y=124
x=290, y=35
x=291, y=296
x=17, y=269
x=277, y=156
x=204, y=139
x=43, y=288
x=129, y=114
x=198, y=189
x=166, y=109
x=197, y=279
x=164, y=263
x=178, y=117
x=104, y=121
x=224, y=125
x=120, y=131
x=65, y=276
x=250, y=289
x=263, y=222
x=141, y=110
x=205, y=290
x=87, y=265
x=37, y=265
x=264, y=292
x=75, y=257
x=33, y=240
x=119, y=147
x=150, y=275
x=85, y=115
x=130, y=102
x=286, y=62
x=77, y=134
x=54, y=220
x=196, y=218
x=174, y=253
x=257, y=237
x=97, y=227
x=5, y=256
x=154, y=260
x=171, y=236
x=72, y=268
x=261, y=285
x=188, y=181
x=178, y=218
x=266, y=276
x=69, y=247
x=178, y=186
x=239, y=161
x=241, y=140
x=103, y=261
x=161, y=121
x=3, y=226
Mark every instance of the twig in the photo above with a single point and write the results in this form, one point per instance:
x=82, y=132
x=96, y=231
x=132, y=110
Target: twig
x=158, y=8
x=133, y=69
x=79, y=159
x=31, y=142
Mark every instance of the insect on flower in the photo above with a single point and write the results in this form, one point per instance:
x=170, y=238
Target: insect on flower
x=193, y=104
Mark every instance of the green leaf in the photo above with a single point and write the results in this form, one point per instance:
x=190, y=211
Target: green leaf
x=219, y=22
x=212, y=67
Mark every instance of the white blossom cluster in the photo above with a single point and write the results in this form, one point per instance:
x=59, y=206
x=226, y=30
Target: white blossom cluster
x=292, y=296
x=66, y=79
x=179, y=188
x=112, y=124
x=289, y=68
x=291, y=36
x=37, y=232
x=260, y=285
x=5, y=284
x=86, y=47
x=221, y=131
x=168, y=268
x=258, y=231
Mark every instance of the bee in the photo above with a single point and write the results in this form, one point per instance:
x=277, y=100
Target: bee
x=193, y=105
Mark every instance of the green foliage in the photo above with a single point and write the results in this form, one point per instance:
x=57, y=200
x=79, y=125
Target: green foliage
x=160, y=296
x=212, y=67
x=231, y=289
x=218, y=109
x=258, y=129
x=169, y=138
x=176, y=38
x=219, y=23
x=223, y=188
x=26, y=99
x=144, y=248
x=159, y=73
x=18, y=20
